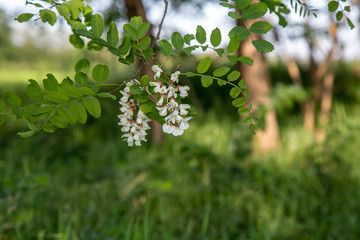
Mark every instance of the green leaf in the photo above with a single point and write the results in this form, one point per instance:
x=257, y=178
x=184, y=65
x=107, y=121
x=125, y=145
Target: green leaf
x=113, y=35
x=82, y=65
x=125, y=45
x=239, y=102
x=262, y=45
x=234, y=15
x=242, y=84
x=58, y=121
x=144, y=80
x=148, y=106
x=97, y=25
x=347, y=8
x=333, y=5
x=130, y=58
x=204, y=48
x=177, y=41
x=221, y=82
x=240, y=32
x=206, y=80
x=233, y=76
x=188, y=38
x=41, y=109
x=92, y=105
x=136, y=90
x=188, y=50
x=79, y=111
x=165, y=47
x=245, y=119
x=241, y=4
x=50, y=83
x=339, y=15
x=106, y=95
x=49, y=128
x=48, y=16
x=200, y=34
x=93, y=45
x=246, y=60
x=149, y=52
x=349, y=22
x=26, y=134
x=131, y=31
x=145, y=43
x=65, y=113
x=234, y=92
x=13, y=99
x=76, y=41
x=260, y=27
x=100, y=73
x=215, y=37
x=56, y=96
x=234, y=44
x=233, y=59
x=71, y=91
x=34, y=90
x=243, y=110
x=63, y=11
x=136, y=22
x=81, y=78
x=219, y=51
x=227, y=5
x=24, y=17
x=190, y=74
x=203, y=65
x=142, y=98
x=143, y=29
x=254, y=11
x=221, y=71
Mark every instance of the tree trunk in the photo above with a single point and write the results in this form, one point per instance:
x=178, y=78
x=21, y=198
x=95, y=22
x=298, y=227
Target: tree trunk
x=136, y=8
x=258, y=81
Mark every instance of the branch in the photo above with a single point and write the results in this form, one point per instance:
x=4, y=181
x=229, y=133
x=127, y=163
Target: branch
x=161, y=23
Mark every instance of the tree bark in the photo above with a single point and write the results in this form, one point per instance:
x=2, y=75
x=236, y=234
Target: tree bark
x=259, y=84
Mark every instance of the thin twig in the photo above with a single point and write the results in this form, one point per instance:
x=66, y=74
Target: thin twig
x=161, y=23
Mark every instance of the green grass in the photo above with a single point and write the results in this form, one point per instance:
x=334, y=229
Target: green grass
x=85, y=183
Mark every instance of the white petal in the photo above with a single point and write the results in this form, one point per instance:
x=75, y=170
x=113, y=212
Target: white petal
x=177, y=132
x=168, y=128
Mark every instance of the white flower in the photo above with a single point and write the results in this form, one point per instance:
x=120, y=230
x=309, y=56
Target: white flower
x=163, y=89
x=177, y=132
x=183, y=108
x=173, y=117
x=161, y=101
x=184, y=91
x=172, y=92
x=175, y=76
x=162, y=110
x=167, y=128
x=133, y=120
x=157, y=70
x=184, y=123
x=172, y=105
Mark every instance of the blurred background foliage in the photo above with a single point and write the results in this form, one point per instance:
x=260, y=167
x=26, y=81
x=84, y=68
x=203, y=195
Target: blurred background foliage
x=83, y=182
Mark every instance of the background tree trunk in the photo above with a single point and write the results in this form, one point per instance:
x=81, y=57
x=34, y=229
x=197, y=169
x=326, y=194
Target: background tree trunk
x=259, y=84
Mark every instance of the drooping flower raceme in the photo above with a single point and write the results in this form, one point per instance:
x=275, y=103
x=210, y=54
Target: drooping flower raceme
x=134, y=122
x=168, y=105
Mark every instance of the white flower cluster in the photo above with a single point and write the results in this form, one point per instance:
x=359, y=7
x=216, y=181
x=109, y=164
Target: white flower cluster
x=175, y=114
x=134, y=122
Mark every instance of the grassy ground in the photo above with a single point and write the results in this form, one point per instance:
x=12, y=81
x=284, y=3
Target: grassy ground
x=85, y=183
